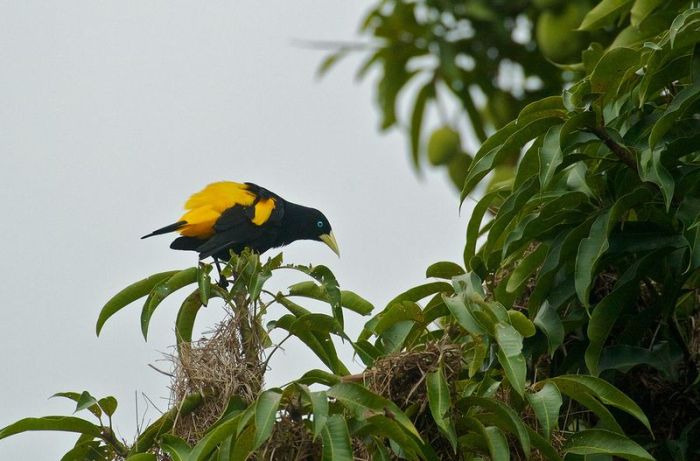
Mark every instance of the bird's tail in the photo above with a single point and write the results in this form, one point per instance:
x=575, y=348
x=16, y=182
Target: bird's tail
x=164, y=230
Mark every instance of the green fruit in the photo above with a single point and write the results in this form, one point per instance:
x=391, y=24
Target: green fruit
x=502, y=177
x=557, y=36
x=443, y=145
x=502, y=108
x=458, y=168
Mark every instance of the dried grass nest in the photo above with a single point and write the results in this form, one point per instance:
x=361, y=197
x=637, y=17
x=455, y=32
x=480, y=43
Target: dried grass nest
x=216, y=367
x=401, y=377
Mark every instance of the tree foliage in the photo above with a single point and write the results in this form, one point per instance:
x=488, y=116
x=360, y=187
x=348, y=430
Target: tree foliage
x=569, y=330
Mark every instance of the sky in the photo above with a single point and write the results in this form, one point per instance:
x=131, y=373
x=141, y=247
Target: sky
x=112, y=113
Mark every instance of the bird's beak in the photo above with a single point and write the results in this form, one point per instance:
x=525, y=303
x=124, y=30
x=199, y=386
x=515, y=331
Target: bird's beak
x=329, y=239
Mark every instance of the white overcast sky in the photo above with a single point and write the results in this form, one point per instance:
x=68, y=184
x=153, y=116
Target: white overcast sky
x=112, y=113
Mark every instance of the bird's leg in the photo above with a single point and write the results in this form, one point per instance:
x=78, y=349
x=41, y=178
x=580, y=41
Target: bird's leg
x=223, y=283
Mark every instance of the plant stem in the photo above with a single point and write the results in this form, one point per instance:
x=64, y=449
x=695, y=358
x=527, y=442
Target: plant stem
x=109, y=437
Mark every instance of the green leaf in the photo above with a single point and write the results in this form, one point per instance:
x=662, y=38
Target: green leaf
x=548, y=320
x=163, y=290
x=600, y=441
x=336, y=440
x=319, y=407
x=515, y=370
x=163, y=424
x=521, y=323
x=319, y=403
x=539, y=442
x=550, y=156
x=508, y=339
x=108, y=405
x=674, y=112
x=601, y=389
x=525, y=268
x=596, y=244
x=266, y=409
x=604, y=13
x=142, y=457
x=652, y=170
x=91, y=450
x=186, y=315
x=175, y=447
x=363, y=402
x=355, y=302
x=546, y=404
x=51, y=423
x=577, y=131
x=329, y=293
x=612, y=67
x=214, y=437
x=461, y=313
x=516, y=136
x=319, y=377
x=683, y=21
x=379, y=426
x=257, y=282
x=606, y=420
x=444, y=270
x=83, y=400
x=506, y=215
x=367, y=352
x=243, y=445
x=348, y=299
x=329, y=61
x=474, y=226
x=475, y=356
x=624, y=357
x=88, y=401
x=541, y=108
x=324, y=275
x=426, y=93
x=607, y=311
x=422, y=291
x=507, y=418
x=440, y=404
x=642, y=9
x=496, y=441
x=313, y=330
x=130, y=294
x=398, y=312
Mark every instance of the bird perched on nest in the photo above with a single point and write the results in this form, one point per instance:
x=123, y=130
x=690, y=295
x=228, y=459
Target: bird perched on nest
x=228, y=216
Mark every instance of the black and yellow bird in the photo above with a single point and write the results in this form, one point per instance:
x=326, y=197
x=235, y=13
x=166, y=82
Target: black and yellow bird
x=228, y=216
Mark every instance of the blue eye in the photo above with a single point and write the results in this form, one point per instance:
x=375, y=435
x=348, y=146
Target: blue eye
x=319, y=224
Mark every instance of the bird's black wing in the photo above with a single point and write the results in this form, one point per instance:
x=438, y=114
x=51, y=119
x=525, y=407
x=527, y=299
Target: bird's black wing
x=233, y=228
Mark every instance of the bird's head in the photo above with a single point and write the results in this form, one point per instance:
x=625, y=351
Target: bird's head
x=313, y=225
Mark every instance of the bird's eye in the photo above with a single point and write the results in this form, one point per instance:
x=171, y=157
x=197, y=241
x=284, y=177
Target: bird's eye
x=319, y=224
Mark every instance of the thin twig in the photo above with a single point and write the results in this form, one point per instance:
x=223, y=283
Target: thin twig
x=331, y=45
x=170, y=375
x=267, y=360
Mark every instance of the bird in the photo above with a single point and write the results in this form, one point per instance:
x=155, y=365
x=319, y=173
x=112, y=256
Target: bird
x=229, y=216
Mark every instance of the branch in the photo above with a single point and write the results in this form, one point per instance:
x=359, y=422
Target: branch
x=109, y=437
x=624, y=154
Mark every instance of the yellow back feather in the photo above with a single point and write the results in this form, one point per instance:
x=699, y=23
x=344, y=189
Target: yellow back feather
x=206, y=206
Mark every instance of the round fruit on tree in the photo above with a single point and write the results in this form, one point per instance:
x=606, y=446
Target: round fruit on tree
x=443, y=145
x=557, y=34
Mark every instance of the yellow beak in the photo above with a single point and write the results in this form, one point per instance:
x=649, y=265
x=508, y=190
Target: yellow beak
x=329, y=239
